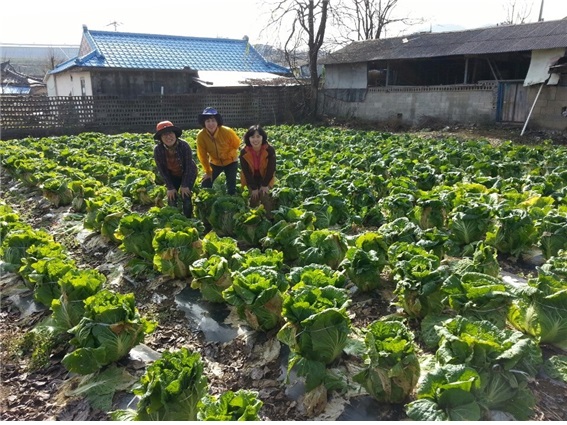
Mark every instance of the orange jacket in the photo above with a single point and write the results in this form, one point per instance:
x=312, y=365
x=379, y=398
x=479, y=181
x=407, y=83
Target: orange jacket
x=220, y=149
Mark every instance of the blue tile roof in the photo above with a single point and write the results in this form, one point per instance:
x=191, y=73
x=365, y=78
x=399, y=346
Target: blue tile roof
x=111, y=49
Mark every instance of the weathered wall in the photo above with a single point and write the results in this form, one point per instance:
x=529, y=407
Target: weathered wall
x=408, y=105
x=68, y=84
x=346, y=76
x=549, y=108
x=44, y=116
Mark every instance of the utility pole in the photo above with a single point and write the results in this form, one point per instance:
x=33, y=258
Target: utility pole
x=540, y=12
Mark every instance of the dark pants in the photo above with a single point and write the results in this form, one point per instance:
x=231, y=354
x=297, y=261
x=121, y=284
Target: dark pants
x=186, y=200
x=229, y=170
x=266, y=200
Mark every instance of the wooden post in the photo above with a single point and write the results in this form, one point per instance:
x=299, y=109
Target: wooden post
x=531, y=110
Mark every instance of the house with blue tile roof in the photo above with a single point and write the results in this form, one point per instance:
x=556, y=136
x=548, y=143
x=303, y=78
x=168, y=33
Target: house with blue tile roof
x=130, y=65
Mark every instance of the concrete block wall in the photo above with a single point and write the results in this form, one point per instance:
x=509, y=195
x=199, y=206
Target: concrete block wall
x=550, y=110
x=410, y=105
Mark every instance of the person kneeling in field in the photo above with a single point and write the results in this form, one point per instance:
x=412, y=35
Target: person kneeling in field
x=258, y=167
x=174, y=161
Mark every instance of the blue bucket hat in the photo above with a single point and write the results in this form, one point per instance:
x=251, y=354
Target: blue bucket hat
x=207, y=113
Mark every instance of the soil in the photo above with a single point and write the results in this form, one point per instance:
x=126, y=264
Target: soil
x=32, y=392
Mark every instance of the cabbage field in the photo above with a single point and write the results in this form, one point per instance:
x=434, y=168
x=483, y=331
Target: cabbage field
x=398, y=277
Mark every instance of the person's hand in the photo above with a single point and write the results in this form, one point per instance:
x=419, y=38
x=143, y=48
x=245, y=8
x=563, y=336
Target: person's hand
x=171, y=194
x=185, y=192
x=255, y=194
x=207, y=176
x=264, y=190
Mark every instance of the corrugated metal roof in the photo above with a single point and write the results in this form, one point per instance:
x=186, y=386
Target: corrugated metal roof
x=500, y=39
x=111, y=49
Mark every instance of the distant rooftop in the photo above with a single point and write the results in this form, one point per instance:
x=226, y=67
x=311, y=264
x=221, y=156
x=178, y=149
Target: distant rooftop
x=490, y=40
x=112, y=49
x=36, y=59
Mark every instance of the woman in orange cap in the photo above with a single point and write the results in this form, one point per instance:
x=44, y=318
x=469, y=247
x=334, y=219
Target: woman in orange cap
x=217, y=149
x=174, y=161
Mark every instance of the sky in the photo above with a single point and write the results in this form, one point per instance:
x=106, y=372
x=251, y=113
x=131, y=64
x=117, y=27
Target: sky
x=61, y=22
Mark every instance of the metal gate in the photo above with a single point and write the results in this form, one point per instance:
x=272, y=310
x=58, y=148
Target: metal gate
x=512, y=102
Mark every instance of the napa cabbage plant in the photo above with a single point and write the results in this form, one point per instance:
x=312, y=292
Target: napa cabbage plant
x=111, y=326
x=505, y=360
x=479, y=296
x=323, y=246
x=223, y=214
x=468, y=223
x=224, y=246
x=170, y=390
x=365, y=261
x=318, y=275
x=541, y=308
x=43, y=275
x=316, y=322
x=76, y=285
x=211, y=276
x=283, y=236
x=391, y=367
x=254, y=257
x=136, y=233
x=445, y=393
x=419, y=276
x=175, y=251
x=58, y=190
x=240, y=405
x=16, y=243
x=552, y=231
x=484, y=259
x=513, y=233
x=257, y=295
x=252, y=225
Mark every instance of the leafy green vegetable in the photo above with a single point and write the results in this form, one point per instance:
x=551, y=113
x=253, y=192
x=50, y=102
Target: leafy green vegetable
x=446, y=393
x=540, y=310
x=391, y=368
x=110, y=327
x=175, y=251
x=317, y=324
x=514, y=232
x=257, y=294
x=211, y=276
x=556, y=367
x=76, y=286
x=251, y=226
x=319, y=275
x=223, y=214
x=136, y=233
x=171, y=388
x=17, y=242
x=323, y=246
x=241, y=405
x=224, y=246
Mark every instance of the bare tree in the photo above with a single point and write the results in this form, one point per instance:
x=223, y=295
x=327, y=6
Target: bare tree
x=517, y=11
x=368, y=19
x=307, y=20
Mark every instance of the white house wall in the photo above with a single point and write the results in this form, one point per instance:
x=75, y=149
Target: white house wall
x=69, y=84
x=347, y=76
